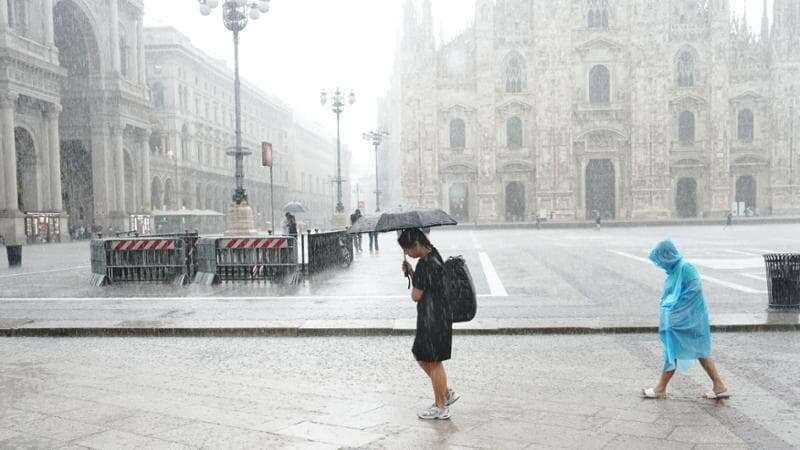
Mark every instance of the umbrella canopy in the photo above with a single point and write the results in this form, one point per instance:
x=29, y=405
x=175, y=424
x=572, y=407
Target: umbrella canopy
x=417, y=218
x=294, y=208
x=365, y=224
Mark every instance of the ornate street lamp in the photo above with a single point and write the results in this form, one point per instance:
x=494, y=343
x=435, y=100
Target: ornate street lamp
x=235, y=17
x=337, y=106
x=376, y=137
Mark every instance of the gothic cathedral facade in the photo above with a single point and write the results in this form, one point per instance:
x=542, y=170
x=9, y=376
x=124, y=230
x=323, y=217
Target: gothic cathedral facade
x=626, y=109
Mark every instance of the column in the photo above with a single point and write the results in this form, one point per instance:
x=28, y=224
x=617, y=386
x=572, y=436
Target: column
x=8, y=103
x=53, y=114
x=114, y=30
x=103, y=199
x=140, y=49
x=146, y=182
x=43, y=163
x=118, y=168
x=48, y=23
x=3, y=16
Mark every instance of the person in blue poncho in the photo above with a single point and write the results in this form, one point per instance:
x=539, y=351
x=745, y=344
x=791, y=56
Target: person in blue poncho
x=683, y=326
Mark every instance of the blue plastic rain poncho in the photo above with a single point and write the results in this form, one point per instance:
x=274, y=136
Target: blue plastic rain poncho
x=683, y=326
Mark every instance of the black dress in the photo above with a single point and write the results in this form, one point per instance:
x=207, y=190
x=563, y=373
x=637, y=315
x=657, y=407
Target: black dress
x=434, y=337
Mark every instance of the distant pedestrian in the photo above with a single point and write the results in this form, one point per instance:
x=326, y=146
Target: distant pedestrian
x=597, y=219
x=357, y=238
x=683, y=326
x=373, y=239
x=434, y=332
x=291, y=225
x=728, y=220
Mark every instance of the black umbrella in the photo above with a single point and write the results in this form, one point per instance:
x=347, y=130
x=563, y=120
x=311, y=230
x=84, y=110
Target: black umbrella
x=294, y=208
x=416, y=218
x=365, y=224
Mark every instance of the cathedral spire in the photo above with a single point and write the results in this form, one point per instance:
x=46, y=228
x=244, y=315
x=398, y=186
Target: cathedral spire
x=744, y=31
x=764, y=24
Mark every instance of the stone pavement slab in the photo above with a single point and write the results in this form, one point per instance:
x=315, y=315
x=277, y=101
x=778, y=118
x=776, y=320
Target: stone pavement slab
x=363, y=392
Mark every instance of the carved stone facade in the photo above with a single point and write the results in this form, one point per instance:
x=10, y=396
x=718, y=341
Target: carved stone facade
x=629, y=109
x=74, y=97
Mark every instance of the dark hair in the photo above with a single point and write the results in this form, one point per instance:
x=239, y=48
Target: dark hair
x=411, y=236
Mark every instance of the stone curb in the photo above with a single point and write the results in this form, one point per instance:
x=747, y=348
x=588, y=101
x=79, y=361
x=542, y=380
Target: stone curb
x=87, y=330
x=628, y=224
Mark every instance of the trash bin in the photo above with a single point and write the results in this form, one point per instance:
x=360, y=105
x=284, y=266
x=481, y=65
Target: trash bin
x=14, y=255
x=783, y=280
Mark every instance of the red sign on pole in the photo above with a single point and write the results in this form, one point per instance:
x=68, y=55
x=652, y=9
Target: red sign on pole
x=266, y=154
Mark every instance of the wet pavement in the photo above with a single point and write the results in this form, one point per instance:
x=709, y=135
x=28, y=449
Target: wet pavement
x=582, y=277
x=517, y=392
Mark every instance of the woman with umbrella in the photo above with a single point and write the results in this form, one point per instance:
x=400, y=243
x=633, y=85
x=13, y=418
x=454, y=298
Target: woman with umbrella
x=434, y=333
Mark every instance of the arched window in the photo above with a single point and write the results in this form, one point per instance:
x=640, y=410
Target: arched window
x=746, y=125
x=686, y=127
x=158, y=95
x=597, y=16
x=185, y=142
x=685, y=69
x=458, y=134
x=515, y=74
x=514, y=132
x=599, y=85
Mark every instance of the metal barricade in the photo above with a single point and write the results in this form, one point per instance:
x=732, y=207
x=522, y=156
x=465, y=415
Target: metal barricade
x=98, y=255
x=246, y=259
x=146, y=260
x=329, y=250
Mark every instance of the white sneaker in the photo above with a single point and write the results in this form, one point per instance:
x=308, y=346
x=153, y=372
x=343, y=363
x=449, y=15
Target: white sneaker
x=452, y=397
x=435, y=413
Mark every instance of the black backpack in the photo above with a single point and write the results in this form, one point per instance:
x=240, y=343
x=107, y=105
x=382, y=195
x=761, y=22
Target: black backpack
x=459, y=290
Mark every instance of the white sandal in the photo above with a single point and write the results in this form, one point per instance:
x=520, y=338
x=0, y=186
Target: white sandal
x=651, y=393
x=714, y=396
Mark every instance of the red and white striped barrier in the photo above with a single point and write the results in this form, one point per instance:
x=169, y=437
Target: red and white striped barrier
x=152, y=244
x=255, y=243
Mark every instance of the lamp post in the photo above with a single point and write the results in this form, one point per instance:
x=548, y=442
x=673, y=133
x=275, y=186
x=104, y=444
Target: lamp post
x=235, y=18
x=337, y=106
x=376, y=137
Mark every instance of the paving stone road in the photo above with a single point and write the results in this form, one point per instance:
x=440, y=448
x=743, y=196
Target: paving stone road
x=563, y=276
x=518, y=392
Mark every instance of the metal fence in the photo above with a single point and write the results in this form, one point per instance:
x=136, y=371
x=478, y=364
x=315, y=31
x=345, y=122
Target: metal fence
x=328, y=250
x=246, y=259
x=168, y=258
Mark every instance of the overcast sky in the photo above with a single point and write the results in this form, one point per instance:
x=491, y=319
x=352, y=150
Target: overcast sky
x=302, y=46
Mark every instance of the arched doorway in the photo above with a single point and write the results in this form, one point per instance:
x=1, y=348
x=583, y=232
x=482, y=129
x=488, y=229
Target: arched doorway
x=156, y=195
x=459, y=201
x=79, y=55
x=515, y=202
x=76, y=176
x=686, y=198
x=747, y=192
x=27, y=185
x=600, y=189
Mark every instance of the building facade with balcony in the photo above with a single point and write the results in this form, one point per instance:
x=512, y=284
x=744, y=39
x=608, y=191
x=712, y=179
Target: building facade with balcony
x=574, y=108
x=193, y=126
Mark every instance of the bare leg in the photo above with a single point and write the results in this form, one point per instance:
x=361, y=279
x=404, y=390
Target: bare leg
x=439, y=381
x=711, y=370
x=661, y=387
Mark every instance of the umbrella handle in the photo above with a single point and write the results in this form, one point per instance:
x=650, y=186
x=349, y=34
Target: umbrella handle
x=406, y=275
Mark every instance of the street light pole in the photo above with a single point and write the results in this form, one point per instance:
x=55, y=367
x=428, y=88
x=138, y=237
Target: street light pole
x=337, y=106
x=235, y=18
x=376, y=137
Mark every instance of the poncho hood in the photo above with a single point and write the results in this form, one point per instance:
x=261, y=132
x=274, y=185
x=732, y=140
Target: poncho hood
x=665, y=255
